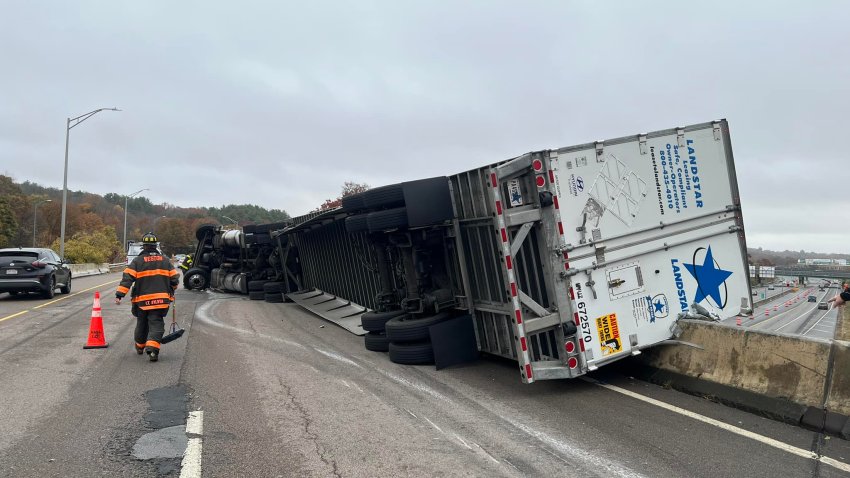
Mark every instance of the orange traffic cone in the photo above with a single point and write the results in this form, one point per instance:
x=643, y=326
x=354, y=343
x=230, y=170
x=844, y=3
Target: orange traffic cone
x=97, y=339
x=738, y=321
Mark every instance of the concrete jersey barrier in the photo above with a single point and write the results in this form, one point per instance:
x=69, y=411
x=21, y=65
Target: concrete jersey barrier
x=82, y=270
x=810, y=374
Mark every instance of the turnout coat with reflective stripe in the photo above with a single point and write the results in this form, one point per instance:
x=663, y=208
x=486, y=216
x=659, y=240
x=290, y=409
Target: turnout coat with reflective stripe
x=153, y=279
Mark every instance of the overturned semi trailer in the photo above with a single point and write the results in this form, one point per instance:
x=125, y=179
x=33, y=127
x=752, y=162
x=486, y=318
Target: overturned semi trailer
x=562, y=260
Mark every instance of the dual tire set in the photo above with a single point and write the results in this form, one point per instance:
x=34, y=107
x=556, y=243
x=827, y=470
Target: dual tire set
x=387, y=205
x=265, y=290
x=407, y=339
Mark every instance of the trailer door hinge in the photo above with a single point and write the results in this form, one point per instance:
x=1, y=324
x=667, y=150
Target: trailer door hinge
x=599, y=148
x=642, y=143
x=680, y=137
x=716, y=128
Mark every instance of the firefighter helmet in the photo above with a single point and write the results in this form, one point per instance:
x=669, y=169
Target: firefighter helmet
x=150, y=238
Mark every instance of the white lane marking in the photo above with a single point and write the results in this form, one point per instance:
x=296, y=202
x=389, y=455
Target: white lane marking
x=816, y=323
x=411, y=413
x=190, y=467
x=345, y=383
x=491, y=456
x=725, y=426
x=462, y=441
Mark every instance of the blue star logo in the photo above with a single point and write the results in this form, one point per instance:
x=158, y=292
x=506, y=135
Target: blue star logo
x=659, y=306
x=709, y=277
x=516, y=197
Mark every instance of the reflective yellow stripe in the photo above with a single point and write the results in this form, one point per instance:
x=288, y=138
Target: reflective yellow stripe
x=154, y=272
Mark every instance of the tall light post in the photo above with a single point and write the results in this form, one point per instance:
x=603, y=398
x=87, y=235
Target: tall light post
x=71, y=122
x=126, y=205
x=230, y=219
x=153, y=228
x=35, y=215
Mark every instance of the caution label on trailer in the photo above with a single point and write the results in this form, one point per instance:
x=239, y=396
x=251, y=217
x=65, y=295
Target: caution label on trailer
x=609, y=334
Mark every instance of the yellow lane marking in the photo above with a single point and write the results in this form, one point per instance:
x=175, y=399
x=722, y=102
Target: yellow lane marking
x=57, y=300
x=14, y=315
x=75, y=293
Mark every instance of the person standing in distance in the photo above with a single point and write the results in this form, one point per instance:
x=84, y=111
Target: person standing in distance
x=154, y=281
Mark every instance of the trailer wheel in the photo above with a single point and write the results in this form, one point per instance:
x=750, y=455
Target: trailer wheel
x=388, y=219
x=202, y=231
x=413, y=353
x=273, y=287
x=377, y=321
x=196, y=279
x=407, y=329
x=356, y=223
x=353, y=203
x=256, y=295
x=255, y=285
x=376, y=342
x=384, y=196
x=276, y=298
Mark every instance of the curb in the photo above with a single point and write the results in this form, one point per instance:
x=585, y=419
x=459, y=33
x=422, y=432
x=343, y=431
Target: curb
x=812, y=418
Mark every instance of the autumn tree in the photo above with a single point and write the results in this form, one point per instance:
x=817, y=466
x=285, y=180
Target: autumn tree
x=348, y=188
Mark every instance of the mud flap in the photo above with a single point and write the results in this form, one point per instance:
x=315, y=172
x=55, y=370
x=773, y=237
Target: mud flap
x=453, y=342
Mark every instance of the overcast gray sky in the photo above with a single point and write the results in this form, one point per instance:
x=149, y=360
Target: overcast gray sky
x=278, y=103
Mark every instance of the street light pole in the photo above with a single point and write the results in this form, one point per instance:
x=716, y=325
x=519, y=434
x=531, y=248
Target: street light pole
x=35, y=215
x=154, y=223
x=126, y=205
x=76, y=121
x=230, y=219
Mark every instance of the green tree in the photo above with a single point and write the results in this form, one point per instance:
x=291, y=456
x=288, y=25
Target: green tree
x=8, y=223
x=97, y=246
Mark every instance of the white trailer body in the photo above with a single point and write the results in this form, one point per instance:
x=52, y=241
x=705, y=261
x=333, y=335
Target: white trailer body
x=652, y=225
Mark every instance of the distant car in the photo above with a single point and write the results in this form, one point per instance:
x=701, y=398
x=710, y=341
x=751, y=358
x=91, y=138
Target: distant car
x=770, y=287
x=823, y=306
x=33, y=270
x=812, y=298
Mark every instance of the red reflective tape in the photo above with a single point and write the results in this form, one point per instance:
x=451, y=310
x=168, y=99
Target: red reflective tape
x=493, y=179
x=498, y=207
x=566, y=255
x=509, y=263
x=551, y=176
x=504, y=235
x=555, y=198
x=572, y=294
x=523, y=344
x=575, y=317
x=518, y=316
x=513, y=289
x=528, y=371
x=581, y=345
x=560, y=228
x=566, y=265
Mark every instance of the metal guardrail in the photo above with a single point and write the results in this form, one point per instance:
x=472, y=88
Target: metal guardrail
x=117, y=266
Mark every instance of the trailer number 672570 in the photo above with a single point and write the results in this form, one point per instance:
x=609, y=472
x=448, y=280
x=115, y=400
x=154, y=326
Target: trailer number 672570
x=585, y=325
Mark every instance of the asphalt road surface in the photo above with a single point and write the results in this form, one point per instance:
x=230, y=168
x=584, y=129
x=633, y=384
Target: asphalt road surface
x=275, y=391
x=789, y=312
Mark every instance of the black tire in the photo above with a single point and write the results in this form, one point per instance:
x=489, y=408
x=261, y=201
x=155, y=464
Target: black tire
x=256, y=285
x=384, y=196
x=388, y=219
x=353, y=203
x=274, y=298
x=376, y=342
x=203, y=229
x=51, y=288
x=376, y=321
x=357, y=223
x=407, y=329
x=273, y=287
x=66, y=289
x=13, y=292
x=256, y=295
x=196, y=279
x=413, y=353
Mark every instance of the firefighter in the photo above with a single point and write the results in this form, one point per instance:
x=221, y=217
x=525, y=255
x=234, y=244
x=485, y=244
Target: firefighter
x=154, y=281
x=186, y=264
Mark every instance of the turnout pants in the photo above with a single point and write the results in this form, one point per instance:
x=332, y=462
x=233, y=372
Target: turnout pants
x=150, y=326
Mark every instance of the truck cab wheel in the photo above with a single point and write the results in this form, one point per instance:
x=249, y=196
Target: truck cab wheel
x=196, y=279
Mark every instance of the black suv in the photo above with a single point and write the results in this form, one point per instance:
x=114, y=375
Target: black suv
x=31, y=269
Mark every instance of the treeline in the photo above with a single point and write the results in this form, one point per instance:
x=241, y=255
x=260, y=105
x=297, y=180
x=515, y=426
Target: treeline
x=94, y=225
x=765, y=257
